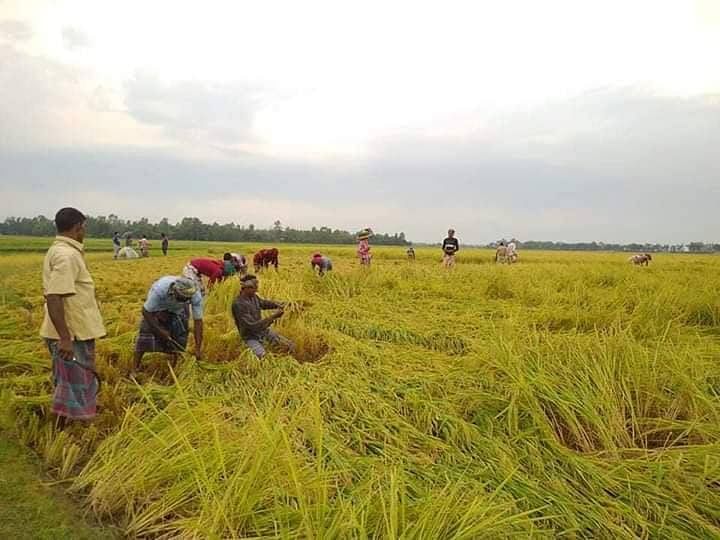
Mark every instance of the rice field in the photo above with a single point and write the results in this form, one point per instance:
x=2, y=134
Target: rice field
x=571, y=395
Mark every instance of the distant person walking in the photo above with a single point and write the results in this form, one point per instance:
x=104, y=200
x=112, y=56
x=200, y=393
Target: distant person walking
x=320, y=263
x=254, y=330
x=72, y=320
x=363, y=249
x=410, y=253
x=116, y=244
x=165, y=319
x=144, y=246
x=164, y=244
x=450, y=247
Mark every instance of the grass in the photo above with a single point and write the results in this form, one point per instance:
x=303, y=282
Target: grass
x=571, y=395
x=32, y=510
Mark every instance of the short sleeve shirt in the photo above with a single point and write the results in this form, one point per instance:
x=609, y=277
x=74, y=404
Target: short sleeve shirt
x=66, y=274
x=160, y=299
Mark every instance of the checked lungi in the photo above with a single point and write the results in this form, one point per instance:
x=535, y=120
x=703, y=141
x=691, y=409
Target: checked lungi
x=175, y=324
x=76, y=382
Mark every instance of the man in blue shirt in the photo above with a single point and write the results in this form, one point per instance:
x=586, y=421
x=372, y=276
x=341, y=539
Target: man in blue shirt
x=164, y=326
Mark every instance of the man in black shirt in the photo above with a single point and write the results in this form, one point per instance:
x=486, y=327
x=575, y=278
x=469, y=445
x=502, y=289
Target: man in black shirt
x=247, y=312
x=450, y=247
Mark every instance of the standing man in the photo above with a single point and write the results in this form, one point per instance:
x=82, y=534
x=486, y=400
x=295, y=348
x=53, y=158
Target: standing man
x=247, y=312
x=322, y=263
x=72, y=320
x=116, y=244
x=164, y=244
x=164, y=325
x=410, y=253
x=450, y=247
x=144, y=246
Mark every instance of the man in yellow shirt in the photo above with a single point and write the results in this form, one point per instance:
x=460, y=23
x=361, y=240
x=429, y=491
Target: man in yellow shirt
x=72, y=320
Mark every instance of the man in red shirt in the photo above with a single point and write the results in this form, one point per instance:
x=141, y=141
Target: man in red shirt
x=213, y=269
x=265, y=258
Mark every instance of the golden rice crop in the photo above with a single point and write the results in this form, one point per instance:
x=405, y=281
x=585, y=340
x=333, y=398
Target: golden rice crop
x=569, y=395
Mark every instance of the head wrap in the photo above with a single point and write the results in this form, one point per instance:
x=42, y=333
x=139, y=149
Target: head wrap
x=247, y=283
x=184, y=287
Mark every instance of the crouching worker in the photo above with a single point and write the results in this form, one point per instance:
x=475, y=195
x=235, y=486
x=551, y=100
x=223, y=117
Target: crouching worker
x=321, y=263
x=254, y=330
x=164, y=325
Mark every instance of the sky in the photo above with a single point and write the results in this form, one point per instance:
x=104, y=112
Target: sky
x=558, y=120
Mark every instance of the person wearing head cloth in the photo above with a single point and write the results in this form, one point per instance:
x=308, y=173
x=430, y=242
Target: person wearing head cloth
x=254, y=330
x=320, y=263
x=450, y=247
x=164, y=324
x=410, y=253
x=363, y=249
x=240, y=263
x=213, y=269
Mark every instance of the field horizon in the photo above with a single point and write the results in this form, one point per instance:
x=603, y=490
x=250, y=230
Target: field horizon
x=570, y=395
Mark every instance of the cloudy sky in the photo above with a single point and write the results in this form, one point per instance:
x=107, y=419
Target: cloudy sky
x=565, y=120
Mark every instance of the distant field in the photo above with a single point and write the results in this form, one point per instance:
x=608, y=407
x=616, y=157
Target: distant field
x=14, y=244
x=571, y=395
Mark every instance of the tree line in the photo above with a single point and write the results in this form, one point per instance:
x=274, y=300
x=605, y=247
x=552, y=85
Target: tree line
x=691, y=247
x=192, y=228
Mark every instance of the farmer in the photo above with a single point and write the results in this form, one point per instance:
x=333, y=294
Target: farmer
x=254, y=330
x=240, y=263
x=128, y=239
x=321, y=263
x=212, y=269
x=164, y=244
x=410, y=253
x=501, y=253
x=264, y=258
x=144, y=246
x=363, y=249
x=164, y=324
x=229, y=267
x=641, y=259
x=450, y=247
x=116, y=244
x=512, y=256
x=72, y=320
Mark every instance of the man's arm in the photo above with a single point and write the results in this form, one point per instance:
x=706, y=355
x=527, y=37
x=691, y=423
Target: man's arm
x=269, y=304
x=244, y=321
x=56, y=311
